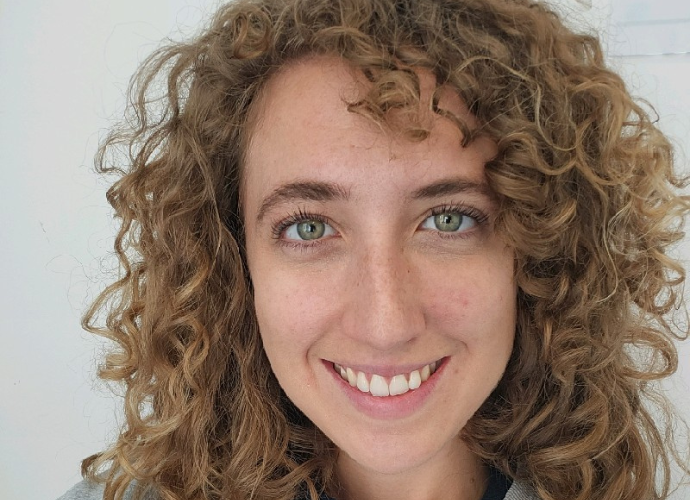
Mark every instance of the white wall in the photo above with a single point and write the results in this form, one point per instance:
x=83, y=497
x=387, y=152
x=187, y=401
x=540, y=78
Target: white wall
x=63, y=70
x=64, y=66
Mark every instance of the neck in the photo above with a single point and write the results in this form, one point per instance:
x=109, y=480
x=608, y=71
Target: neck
x=453, y=474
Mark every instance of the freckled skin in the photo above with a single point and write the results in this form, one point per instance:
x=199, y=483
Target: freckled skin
x=380, y=289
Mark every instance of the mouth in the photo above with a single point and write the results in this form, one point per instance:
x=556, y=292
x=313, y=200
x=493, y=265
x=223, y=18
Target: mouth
x=381, y=386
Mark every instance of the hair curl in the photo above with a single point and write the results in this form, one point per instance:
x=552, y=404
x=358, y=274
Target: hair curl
x=588, y=200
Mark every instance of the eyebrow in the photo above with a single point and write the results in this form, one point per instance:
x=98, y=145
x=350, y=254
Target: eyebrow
x=313, y=191
x=325, y=191
x=452, y=186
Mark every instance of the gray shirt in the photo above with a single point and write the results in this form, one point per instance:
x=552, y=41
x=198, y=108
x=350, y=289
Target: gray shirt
x=88, y=490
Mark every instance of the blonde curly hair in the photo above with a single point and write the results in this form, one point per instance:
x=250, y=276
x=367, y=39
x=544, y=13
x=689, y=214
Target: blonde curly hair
x=588, y=201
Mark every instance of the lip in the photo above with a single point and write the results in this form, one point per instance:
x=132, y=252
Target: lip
x=389, y=407
x=386, y=370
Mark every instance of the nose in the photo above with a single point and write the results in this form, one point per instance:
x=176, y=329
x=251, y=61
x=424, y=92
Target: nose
x=385, y=310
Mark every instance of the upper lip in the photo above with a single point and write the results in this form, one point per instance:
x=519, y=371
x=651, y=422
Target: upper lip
x=387, y=370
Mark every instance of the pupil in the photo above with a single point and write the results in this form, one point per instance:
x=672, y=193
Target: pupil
x=311, y=229
x=448, y=222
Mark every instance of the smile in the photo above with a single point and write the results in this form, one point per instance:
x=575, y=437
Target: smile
x=380, y=386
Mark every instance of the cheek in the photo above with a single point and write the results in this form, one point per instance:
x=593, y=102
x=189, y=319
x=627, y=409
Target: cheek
x=291, y=307
x=476, y=303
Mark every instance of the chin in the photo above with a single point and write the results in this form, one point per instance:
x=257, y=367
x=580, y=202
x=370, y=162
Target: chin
x=396, y=454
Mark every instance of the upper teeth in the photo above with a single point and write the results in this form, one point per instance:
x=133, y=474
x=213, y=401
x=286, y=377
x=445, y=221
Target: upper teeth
x=378, y=385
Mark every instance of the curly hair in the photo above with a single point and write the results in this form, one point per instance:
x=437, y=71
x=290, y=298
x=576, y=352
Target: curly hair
x=588, y=199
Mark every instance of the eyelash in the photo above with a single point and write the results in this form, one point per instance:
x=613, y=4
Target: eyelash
x=301, y=215
x=479, y=217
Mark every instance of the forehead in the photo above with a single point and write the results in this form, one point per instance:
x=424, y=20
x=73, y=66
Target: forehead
x=302, y=126
x=315, y=89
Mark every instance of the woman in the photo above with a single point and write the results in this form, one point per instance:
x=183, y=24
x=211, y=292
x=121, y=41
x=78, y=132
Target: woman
x=377, y=249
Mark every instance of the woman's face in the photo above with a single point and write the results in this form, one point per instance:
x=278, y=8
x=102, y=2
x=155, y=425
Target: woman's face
x=375, y=269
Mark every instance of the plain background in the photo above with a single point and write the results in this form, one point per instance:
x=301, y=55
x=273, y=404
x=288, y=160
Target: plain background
x=64, y=67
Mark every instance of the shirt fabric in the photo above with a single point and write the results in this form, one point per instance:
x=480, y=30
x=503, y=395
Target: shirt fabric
x=499, y=488
x=496, y=489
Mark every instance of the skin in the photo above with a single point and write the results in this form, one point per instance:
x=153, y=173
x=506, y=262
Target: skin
x=383, y=288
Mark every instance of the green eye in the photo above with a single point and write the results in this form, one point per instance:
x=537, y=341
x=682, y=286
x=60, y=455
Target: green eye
x=308, y=230
x=449, y=222
x=311, y=229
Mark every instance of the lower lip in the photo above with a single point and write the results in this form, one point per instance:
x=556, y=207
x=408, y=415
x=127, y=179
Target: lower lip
x=389, y=407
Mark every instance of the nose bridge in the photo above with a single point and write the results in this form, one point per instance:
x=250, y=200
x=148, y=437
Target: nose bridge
x=385, y=313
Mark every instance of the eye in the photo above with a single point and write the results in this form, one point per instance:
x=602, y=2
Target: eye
x=449, y=222
x=308, y=230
